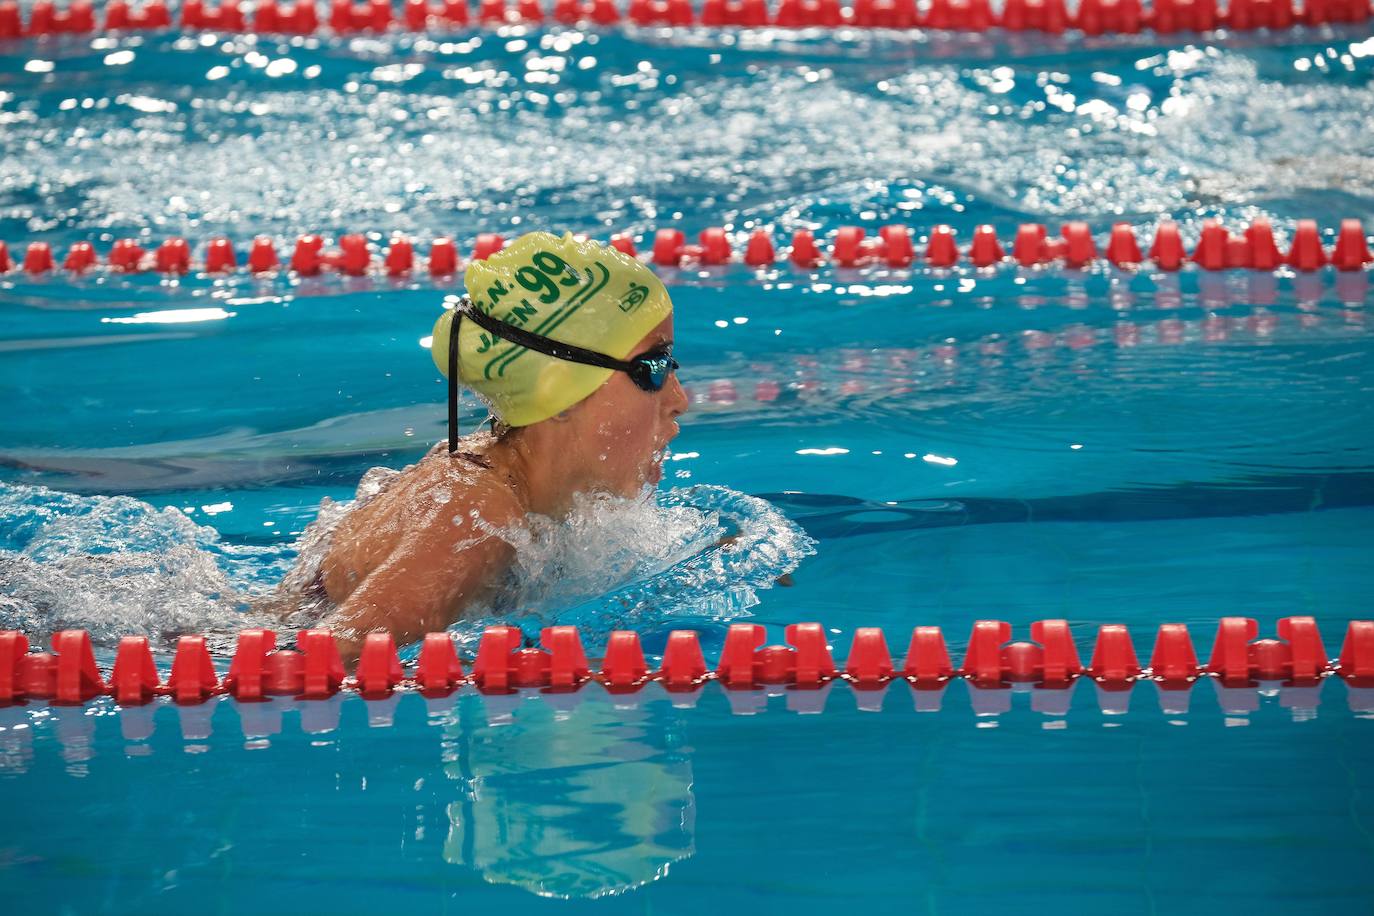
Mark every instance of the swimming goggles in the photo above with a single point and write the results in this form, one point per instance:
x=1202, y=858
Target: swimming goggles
x=649, y=370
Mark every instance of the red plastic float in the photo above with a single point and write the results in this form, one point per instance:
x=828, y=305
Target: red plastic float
x=1039, y=15
x=1079, y=248
x=747, y=13
x=81, y=257
x=1352, y=248
x=247, y=678
x=759, y=252
x=885, y=14
x=354, y=257
x=262, y=255
x=669, y=245
x=898, y=250
x=1307, y=253
x=173, y=257
x=572, y=12
x=400, y=257
x=308, y=257
x=1114, y=660
x=960, y=15
x=1264, y=252
x=193, y=678
x=1356, y=662
x=985, y=251
x=443, y=258
x=869, y=663
x=438, y=670
x=1244, y=15
x=1098, y=17
x=661, y=12
x=684, y=665
x=799, y=14
x=298, y=18
x=941, y=249
x=76, y=678
x=623, y=666
x=134, y=679
x=487, y=244
x=804, y=250
x=714, y=246
x=220, y=257
x=152, y=15
x=1211, y=250
x=848, y=250
x=1122, y=249
x=1168, y=16
x=379, y=667
x=1029, y=249
x=1167, y=251
x=11, y=24
x=927, y=658
x=126, y=256
x=226, y=17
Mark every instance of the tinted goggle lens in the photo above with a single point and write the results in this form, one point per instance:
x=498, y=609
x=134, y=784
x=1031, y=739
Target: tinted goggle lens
x=653, y=369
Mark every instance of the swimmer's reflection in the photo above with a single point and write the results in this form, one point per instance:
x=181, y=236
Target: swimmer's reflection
x=596, y=805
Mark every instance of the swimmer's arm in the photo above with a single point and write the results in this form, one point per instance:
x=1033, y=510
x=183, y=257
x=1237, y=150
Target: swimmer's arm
x=785, y=579
x=422, y=587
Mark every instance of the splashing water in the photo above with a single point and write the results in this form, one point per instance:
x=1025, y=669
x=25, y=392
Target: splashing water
x=115, y=566
x=618, y=562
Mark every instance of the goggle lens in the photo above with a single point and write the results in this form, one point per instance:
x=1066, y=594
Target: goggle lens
x=654, y=368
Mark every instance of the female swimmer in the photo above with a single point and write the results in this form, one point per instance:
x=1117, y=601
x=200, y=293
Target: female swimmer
x=569, y=344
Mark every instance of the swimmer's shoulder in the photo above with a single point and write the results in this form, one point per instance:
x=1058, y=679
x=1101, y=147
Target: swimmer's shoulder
x=481, y=496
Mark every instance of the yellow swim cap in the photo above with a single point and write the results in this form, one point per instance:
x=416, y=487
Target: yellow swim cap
x=580, y=293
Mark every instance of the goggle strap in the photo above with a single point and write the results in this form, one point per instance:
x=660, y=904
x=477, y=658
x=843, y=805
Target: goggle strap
x=545, y=345
x=453, y=380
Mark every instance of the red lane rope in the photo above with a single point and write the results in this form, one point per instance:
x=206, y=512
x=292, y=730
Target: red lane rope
x=344, y=17
x=895, y=246
x=314, y=670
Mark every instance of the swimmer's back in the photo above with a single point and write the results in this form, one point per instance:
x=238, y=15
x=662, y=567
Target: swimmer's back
x=410, y=557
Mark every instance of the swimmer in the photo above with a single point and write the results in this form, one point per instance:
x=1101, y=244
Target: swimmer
x=569, y=344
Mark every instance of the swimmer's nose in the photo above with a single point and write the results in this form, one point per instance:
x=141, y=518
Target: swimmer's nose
x=677, y=400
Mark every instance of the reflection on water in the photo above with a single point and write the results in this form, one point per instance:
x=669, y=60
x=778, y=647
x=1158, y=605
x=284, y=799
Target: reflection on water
x=571, y=812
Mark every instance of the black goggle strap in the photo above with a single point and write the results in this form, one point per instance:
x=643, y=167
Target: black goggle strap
x=545, y=345
x=453, y=380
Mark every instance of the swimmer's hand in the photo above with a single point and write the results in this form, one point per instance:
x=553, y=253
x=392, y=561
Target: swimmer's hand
x=784, y=580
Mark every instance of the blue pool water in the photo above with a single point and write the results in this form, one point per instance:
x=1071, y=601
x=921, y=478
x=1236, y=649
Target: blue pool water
x=913, y=447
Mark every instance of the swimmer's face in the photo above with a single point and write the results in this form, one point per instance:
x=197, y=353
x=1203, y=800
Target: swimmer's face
x=625, y=428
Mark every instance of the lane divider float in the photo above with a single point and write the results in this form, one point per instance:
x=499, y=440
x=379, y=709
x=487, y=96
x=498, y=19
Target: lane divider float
x=314, y=670
x=346, y=17
x=894, y=246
